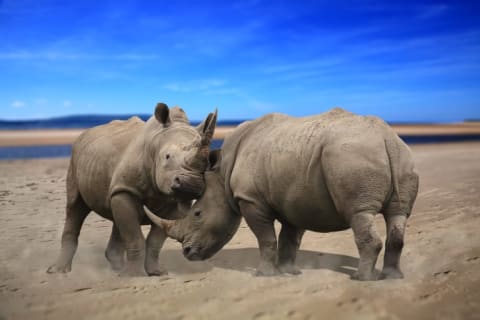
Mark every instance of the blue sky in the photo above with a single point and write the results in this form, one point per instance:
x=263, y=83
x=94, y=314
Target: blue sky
x=401, y=60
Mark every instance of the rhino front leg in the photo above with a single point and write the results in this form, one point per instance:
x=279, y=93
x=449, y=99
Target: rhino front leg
x=115, y=252
x=368, y=243
x=127, y=213
x=288, y=244
x=155, y=239
x=261, y=223
x=76, y=214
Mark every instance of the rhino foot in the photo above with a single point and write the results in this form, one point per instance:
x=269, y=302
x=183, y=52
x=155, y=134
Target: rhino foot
x=157, y=271
x=391, y=273
x=131, y=271
x=266, y=272
x=290, y=269
x=116, y=262
x=371, y=276
x=59, y=269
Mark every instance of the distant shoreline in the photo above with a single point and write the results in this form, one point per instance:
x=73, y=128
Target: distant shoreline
x=39, y=137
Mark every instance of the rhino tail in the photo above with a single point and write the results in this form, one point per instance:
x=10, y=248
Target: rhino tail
x=394, y=161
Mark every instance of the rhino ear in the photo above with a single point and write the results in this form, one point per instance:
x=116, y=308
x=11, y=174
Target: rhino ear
x=207, y=127
x=162, y=114
x=214, y=159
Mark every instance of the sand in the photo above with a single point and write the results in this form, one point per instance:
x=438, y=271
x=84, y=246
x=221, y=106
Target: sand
x=57, y=136
x=441, y=259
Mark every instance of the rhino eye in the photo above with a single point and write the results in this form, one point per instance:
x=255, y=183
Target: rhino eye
x=167, y=156
x=197, y=213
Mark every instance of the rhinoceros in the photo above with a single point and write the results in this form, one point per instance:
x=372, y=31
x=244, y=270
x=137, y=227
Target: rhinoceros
x=121, y=167
x=323, y=173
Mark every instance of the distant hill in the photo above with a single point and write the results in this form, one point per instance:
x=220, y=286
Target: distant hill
x=81, y=122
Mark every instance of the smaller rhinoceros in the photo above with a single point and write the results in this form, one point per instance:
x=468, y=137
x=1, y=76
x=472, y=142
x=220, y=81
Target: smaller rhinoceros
x=322, y=173
x=119, y=168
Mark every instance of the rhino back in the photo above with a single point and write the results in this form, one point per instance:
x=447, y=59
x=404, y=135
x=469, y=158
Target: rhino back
x=96, y=154
x=280, y=164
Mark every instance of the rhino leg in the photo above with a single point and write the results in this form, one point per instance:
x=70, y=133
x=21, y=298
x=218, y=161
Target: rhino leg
x=127, y=213
x=261, y=223
x=115, y=252
x=288, y=244
x=393, y=247
x=155, y=239
x=368, y=243
x=396, y=214
x=76, y=212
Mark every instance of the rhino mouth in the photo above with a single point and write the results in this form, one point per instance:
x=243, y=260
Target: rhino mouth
x=198, y=253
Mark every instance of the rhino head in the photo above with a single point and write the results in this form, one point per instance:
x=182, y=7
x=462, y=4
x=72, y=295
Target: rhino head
x=176, y=154
x=210, y=223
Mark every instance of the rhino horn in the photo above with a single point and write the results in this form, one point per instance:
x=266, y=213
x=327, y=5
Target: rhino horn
x=207, y=128
x=169, y=226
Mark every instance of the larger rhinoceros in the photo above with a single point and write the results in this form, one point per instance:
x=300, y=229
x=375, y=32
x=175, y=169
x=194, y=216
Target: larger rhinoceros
x=118, y=168
x=322, y=173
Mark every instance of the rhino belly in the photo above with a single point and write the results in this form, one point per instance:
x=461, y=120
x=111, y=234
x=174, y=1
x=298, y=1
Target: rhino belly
x=93, y=181
x=323, y=218
x=310, y=207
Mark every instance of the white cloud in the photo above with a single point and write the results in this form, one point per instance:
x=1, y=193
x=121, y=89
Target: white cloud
x=195, y=86
x=40, y=101
x=18, y=104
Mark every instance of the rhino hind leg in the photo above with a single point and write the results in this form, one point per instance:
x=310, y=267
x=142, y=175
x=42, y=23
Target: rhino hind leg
x=396, y=214
x=288, y=244
x=261, y=224
x=393, y=247
x=115, y=252
x=155, y=239
x=368, y=243
x=76, y=212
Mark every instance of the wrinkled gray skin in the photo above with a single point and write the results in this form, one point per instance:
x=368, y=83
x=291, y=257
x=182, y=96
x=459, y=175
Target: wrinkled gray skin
x=323, y=173
x=118, y=168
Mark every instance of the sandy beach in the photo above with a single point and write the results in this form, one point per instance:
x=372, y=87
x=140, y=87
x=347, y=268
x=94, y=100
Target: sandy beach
x=57, y=136
x=441, y=259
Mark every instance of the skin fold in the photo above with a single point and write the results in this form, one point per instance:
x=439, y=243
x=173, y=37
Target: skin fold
x=323, y=173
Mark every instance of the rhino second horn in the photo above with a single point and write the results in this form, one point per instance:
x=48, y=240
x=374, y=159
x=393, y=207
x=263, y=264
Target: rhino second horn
x=166, y=225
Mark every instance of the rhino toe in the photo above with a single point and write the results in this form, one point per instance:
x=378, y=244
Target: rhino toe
x=266, y=272
x=59, y=269
x=290, y=269
x=370, y=276
x=391, y=273
x=133, y=272
x=157, y=272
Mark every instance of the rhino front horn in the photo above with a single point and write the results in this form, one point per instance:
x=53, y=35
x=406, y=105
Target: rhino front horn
x=167, y=225
x=207, y=128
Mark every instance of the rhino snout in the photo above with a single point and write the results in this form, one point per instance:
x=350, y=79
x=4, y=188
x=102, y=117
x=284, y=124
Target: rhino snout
x=190, y=187
x=192, y=253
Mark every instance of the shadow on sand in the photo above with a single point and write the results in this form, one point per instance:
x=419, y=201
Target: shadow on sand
x=246, y=259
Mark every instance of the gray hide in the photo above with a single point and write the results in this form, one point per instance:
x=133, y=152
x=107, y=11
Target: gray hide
x=322, y=173
x=118, y=168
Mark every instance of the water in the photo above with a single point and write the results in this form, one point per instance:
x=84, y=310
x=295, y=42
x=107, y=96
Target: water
x=59, y=151
x=87, y=121
x=53, y=151
x=83, y=122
